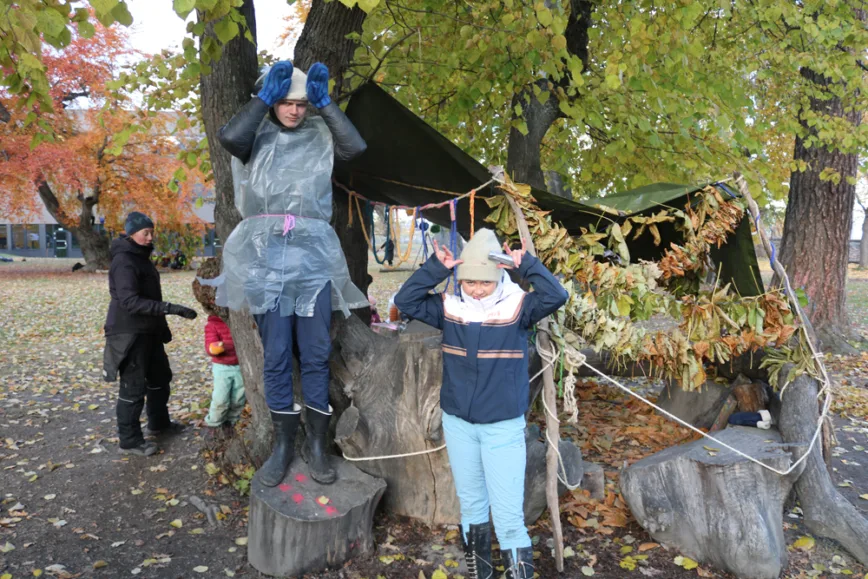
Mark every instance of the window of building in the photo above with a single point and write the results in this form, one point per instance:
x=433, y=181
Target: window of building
x=19, y=237
x=32, y=237
x=4, y=238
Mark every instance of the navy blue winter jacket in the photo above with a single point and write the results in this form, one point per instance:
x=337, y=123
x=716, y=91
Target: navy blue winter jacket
x=485, y=360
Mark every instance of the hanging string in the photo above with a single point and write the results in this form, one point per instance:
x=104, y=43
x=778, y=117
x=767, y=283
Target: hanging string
x=407, y=207
x=396, y=237
x=370, y=211
x=423, y=228
x=472, y=212
x=453, y=243
x=361, y=218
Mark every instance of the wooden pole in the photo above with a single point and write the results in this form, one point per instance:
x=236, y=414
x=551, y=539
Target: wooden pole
x=550, y=399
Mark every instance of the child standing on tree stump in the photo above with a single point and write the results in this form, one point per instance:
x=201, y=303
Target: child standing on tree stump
x=485, y=391
x=227, y=398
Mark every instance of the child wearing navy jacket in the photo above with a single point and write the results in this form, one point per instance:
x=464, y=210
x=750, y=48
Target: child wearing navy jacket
x=485, y=391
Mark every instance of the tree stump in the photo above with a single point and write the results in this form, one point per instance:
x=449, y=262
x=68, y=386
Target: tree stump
x=716, y=506
x=699, y=408
x=535, y=473
x=387, y=392
x=302, y=526
x=827, y=512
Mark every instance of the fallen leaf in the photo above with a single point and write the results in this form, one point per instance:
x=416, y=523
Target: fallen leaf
x=686, y=562
x=452, y=535
x=804, y=543
x=7, y=547
x=49, y=497
x=865, y=496
x=197, y=531
x=200, y=569
x=118, y=543
x=647, y=547
x=439, y=574
x=100, y=564
x=241, y=541
x=177, y=523
x=136, y=491
x=568, y=552
x=323, y=500
x=588, y=571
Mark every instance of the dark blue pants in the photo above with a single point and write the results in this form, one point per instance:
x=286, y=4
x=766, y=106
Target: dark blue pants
x=314, y=347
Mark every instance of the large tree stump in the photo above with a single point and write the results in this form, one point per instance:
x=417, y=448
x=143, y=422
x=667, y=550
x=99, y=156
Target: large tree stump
x=292, y=530
x=699, y=408
x=827, y=512
x=387, y=391
x=716, y=506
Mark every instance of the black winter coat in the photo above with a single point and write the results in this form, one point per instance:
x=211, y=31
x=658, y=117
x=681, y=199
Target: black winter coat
x=136, y=297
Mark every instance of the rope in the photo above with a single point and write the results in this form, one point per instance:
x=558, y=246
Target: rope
x=370, y=212
x=472, y=212
x=408, y=207
x=388, y=456
x=396, y=237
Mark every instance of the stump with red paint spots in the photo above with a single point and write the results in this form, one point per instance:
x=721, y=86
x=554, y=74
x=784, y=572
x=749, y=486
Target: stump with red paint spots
x=301, y=526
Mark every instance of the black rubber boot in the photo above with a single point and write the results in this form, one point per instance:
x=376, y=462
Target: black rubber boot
x=522, y=566
x=285, y=426
x=315, y=448
x=477, y=551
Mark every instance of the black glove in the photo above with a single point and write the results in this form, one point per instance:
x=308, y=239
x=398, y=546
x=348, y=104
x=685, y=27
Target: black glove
x=176, y=310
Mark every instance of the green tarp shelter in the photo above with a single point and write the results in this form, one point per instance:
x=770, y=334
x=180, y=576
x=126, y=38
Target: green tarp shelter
x=409, y=163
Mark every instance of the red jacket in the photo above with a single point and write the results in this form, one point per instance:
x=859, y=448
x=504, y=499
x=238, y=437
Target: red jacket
x=216, y=330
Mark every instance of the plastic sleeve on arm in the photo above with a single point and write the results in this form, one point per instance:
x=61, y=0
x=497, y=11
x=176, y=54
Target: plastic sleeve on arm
x=414, y=298
x=349, y=144
x=548, y=294
x=238, y=134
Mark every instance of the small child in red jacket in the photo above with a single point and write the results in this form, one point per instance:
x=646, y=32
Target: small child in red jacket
x=227, y=398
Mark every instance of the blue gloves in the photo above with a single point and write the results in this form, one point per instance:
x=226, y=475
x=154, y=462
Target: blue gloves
x=277, y=83
x=318, y=85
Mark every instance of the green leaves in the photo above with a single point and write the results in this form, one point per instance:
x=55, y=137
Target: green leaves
x=226, y=30
x=183, y=7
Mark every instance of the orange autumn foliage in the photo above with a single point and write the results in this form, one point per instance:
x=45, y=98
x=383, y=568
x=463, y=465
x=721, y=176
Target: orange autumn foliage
x=83, y=166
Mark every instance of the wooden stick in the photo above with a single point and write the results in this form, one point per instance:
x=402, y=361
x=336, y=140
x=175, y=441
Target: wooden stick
x=550, y=398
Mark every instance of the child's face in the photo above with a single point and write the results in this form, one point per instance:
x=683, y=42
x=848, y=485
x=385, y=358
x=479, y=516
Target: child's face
x=478, y=289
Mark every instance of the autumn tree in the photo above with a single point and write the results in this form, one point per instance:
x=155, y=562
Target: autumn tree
x=103, y=158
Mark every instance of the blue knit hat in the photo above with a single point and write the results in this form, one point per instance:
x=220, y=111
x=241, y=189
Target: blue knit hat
x=136, y=222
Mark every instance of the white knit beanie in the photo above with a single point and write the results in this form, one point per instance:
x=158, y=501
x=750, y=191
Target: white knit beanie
x=477, y=266
x=298, y=87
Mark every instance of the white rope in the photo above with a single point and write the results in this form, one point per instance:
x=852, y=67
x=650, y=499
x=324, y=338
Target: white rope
x=405, y=455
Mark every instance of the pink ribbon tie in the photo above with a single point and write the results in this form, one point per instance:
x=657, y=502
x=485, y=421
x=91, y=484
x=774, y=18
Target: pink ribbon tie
x=288, y=220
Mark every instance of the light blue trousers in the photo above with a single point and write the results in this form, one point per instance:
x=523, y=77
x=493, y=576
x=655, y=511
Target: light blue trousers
x=227, y=399
x=488, y=463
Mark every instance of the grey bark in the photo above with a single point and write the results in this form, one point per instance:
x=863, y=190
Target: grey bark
x=716, y=507
x=827, y=512
x=815, y=244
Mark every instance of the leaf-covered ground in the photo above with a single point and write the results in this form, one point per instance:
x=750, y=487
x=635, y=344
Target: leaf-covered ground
x=70, y=506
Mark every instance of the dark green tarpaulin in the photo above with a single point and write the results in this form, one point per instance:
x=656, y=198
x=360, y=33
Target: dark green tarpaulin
x=409, y=163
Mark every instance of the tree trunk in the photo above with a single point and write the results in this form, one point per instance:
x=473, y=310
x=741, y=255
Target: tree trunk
x=523, y=163
x=324, y=39
x=815, y=245
x=863, y=245
x=223, y=92
x=94, y=246
x=827, y=512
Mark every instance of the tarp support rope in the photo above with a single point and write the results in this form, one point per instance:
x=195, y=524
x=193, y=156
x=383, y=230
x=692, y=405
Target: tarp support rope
x=370, y=211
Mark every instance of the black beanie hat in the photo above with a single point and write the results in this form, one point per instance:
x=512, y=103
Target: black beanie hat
x=136, y=222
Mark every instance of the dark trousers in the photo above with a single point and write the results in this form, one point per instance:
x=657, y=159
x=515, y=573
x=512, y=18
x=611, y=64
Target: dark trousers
x=144, y=375
x=312, y=339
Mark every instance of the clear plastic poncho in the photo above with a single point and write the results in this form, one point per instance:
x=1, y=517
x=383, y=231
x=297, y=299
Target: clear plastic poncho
x=285, y=251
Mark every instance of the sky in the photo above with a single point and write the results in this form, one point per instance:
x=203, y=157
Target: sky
x=156, y=26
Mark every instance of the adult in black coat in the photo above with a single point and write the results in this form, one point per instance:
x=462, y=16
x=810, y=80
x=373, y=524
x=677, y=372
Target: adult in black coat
x=136, y=331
